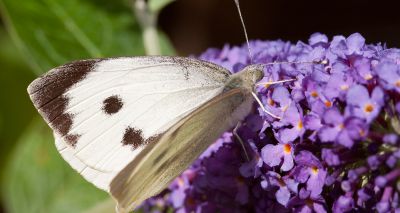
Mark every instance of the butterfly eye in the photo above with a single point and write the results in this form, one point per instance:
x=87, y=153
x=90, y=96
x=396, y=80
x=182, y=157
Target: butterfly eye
x=258, y=75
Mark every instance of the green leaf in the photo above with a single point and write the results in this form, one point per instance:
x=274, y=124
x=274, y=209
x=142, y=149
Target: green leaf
x=37, y=179
x=53, y=32
x=106, y=206
x=157, y=5
x=16, y=110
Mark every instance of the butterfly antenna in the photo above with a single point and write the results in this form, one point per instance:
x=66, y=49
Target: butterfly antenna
x=244, y=29
x=266, y=84
x=323, y=62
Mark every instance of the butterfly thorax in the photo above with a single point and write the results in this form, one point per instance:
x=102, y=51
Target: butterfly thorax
x=246, y=78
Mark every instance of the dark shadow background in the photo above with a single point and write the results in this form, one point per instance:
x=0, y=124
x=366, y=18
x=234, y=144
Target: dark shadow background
x=194, y=25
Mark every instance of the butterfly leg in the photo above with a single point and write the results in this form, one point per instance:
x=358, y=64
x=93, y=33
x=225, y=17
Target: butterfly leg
x=263, y=108
x=240, y=139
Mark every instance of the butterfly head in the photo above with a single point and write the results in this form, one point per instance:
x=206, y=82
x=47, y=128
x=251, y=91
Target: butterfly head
x=254, y=73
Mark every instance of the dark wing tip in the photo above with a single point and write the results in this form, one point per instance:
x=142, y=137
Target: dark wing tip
x=78, y=68
x=47, y=92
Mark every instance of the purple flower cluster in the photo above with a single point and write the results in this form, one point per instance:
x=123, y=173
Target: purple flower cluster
x=332, y=146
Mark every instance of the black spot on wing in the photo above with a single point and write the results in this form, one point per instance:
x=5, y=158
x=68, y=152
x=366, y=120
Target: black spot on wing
x=112, y=104
x=135, y=138
x=71, y=139
x=153, y=139
x=47, y=94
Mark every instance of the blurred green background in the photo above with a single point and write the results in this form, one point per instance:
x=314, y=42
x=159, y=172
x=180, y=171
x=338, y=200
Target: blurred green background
x=34, y=37
x=37, y=35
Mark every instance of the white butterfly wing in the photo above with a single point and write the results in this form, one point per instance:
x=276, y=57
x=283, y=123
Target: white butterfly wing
x=105, y=111
x=160, y=162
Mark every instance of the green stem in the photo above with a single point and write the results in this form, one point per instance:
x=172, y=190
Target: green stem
x=148, y=21
x=151, y=41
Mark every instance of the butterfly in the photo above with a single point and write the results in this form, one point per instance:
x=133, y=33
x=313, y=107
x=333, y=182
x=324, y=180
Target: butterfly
x=130, y=125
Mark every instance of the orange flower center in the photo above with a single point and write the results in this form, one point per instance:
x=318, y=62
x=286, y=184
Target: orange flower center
x=341, y=126
x=309, y=203
x=314, y=170
x=369, y=108
x=368, y=77
x=287, y=148
x=314, y=94
x=300, y=125
x=271, y=102
x=344, y=87
x=328, y=103
x=240, y=180
x=190, y=201
x=281, y=182
x=362, y=133
x=397, y=83
x=180, y=182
